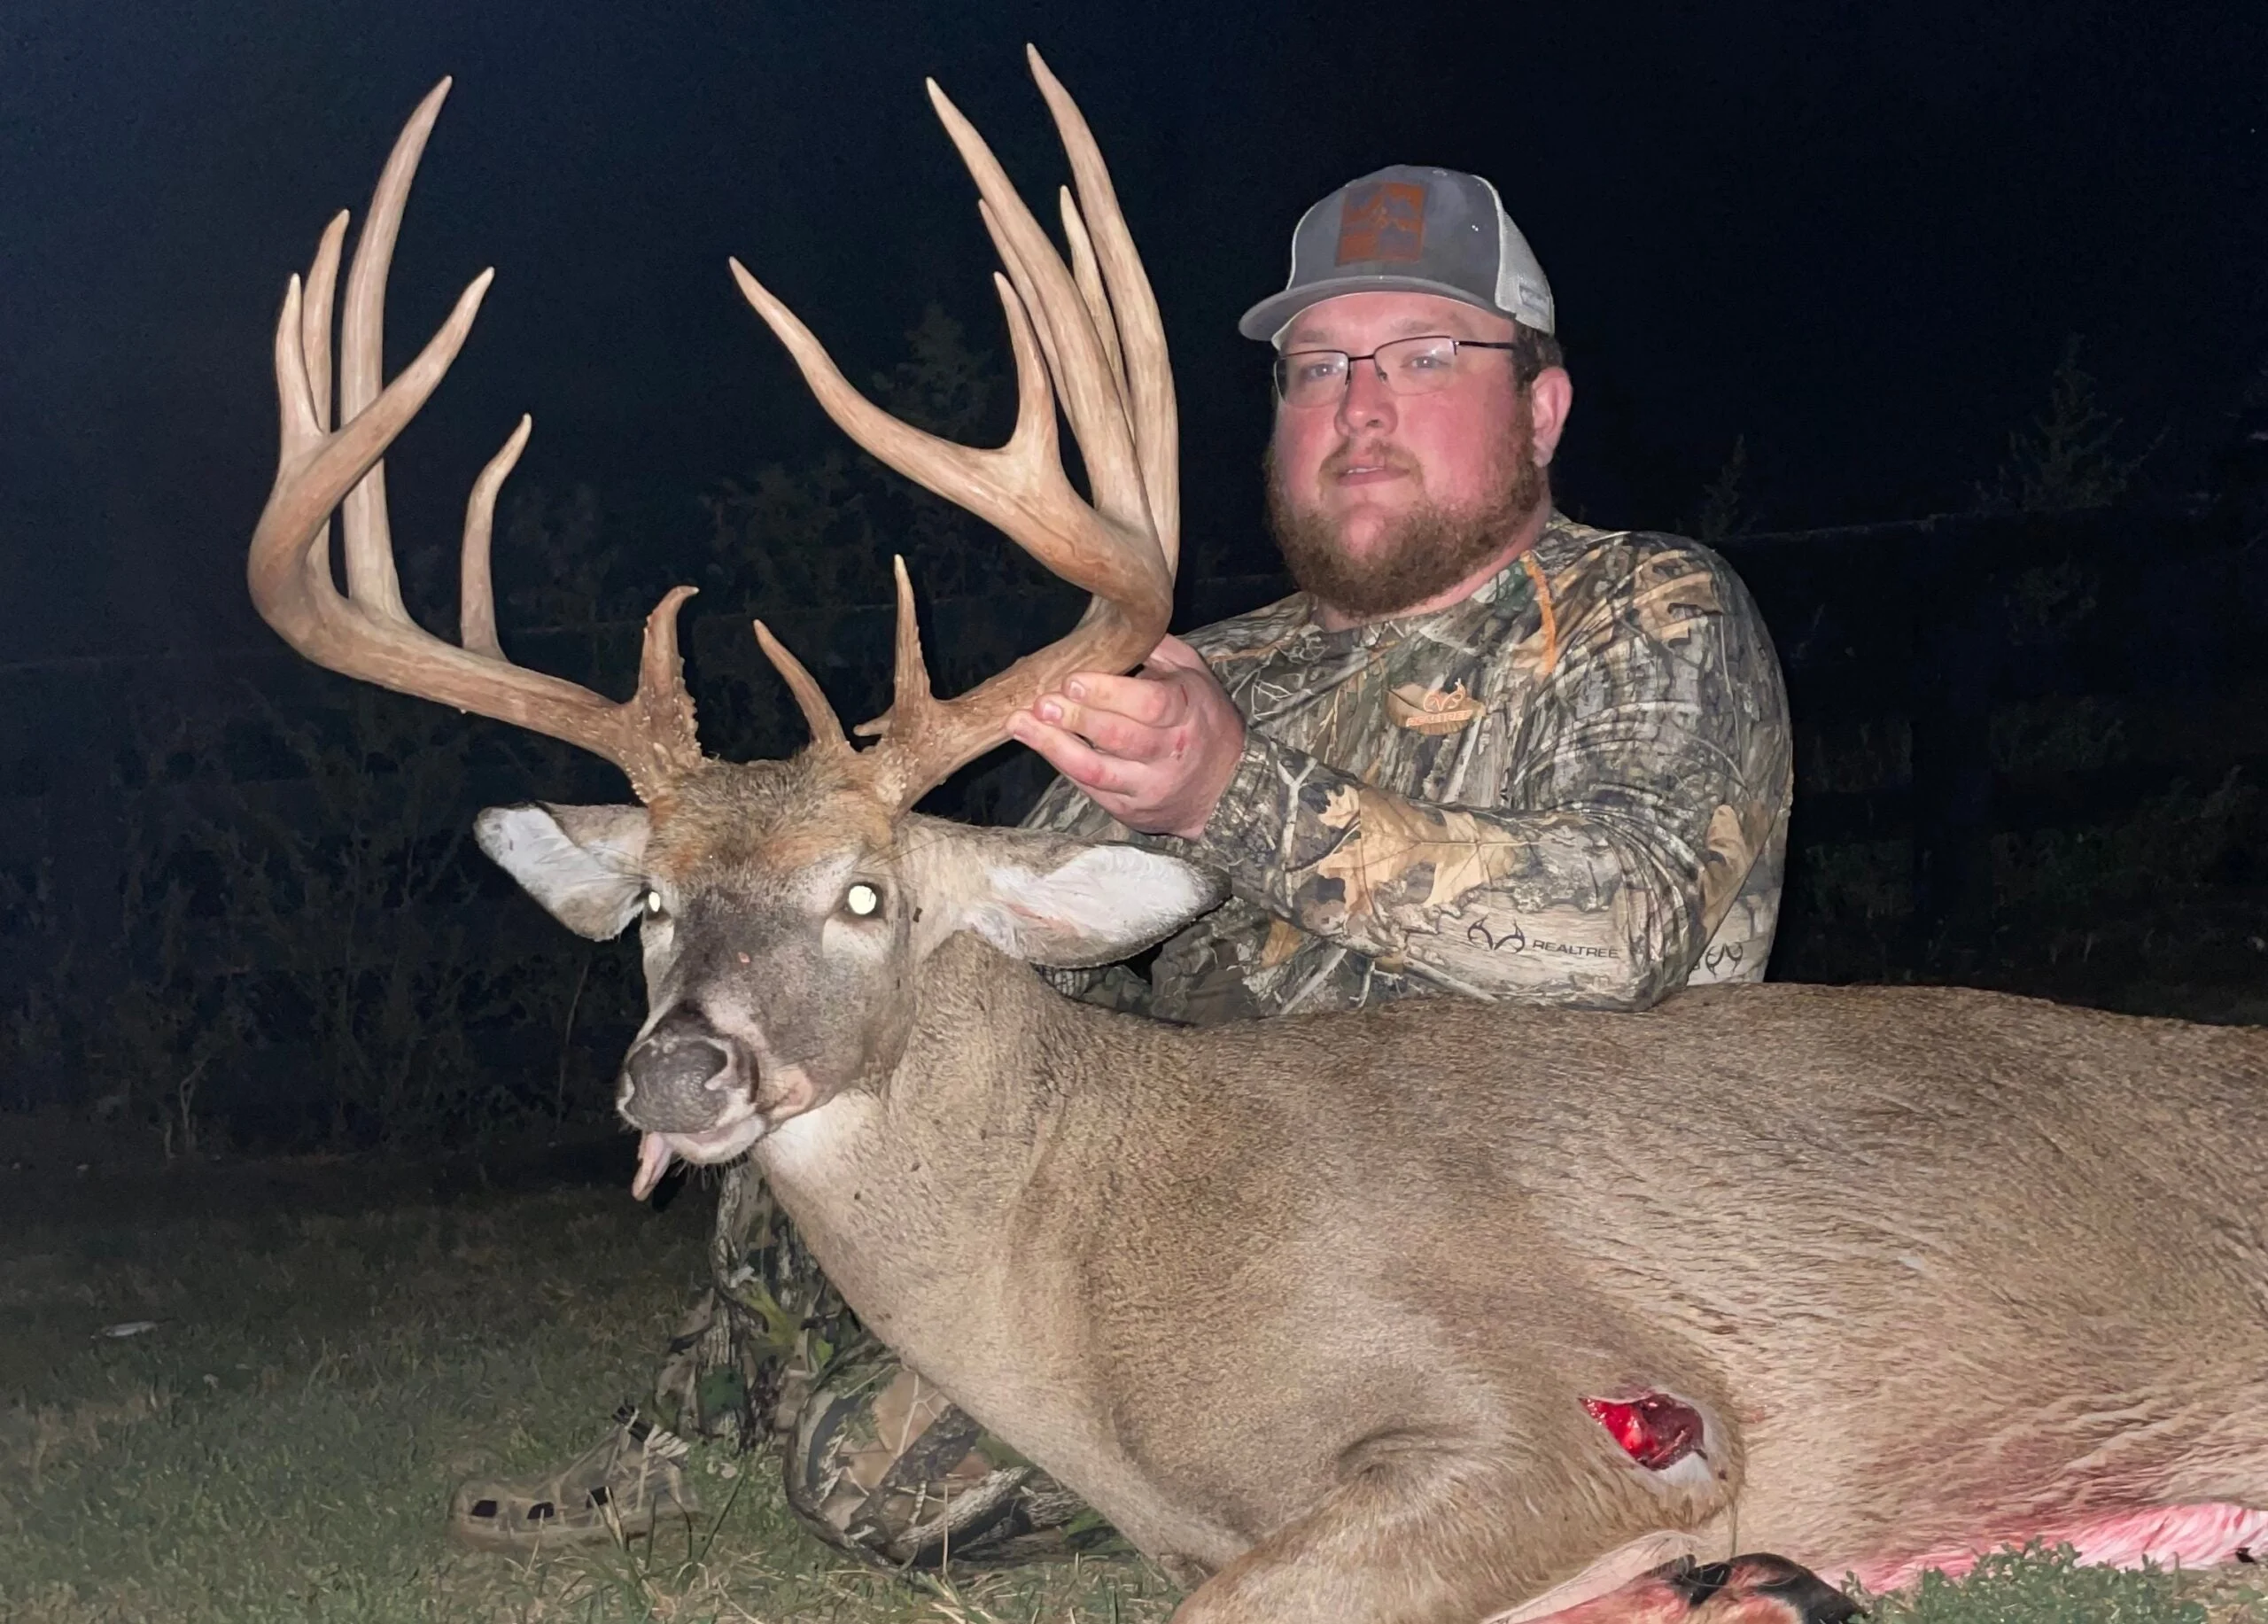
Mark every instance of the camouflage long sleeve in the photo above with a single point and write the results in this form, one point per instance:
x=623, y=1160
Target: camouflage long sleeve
x=1598, y=890
x=1572, y=787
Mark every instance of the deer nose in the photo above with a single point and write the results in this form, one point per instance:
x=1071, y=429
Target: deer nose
x=667, y=1078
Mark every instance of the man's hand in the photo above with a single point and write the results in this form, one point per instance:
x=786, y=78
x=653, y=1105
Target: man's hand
x=1154, y=750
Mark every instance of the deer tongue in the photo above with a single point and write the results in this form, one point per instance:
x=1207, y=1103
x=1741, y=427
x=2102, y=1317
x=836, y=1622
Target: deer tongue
x=654, y=1155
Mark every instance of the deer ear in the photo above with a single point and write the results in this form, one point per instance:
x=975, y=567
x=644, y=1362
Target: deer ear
x=1049, y=899
x=585, y=864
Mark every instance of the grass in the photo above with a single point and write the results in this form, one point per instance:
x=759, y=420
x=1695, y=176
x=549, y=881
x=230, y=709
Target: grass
x=281, y=1445
x=335, y=1346
x=2043, y=1587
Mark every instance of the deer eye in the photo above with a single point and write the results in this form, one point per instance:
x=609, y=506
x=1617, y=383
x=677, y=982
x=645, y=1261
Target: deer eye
x=653, y=905
x=863, y=900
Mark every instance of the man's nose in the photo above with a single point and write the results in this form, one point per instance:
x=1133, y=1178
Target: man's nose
x=1367, y=403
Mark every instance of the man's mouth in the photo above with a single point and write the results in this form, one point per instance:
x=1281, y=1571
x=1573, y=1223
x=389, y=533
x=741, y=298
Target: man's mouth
x=657, y=1151
x=1364, y=471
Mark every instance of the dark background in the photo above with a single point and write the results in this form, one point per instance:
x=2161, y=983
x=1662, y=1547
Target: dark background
x=238, y=905
x=1858, y=235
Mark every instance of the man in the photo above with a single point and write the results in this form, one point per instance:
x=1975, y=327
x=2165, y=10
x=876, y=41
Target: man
x=1483, y=750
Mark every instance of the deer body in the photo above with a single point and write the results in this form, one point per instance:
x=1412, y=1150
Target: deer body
x=1941, y=1269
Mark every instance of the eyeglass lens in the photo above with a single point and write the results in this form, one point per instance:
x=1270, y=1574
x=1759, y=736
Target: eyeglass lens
x=1408, y=367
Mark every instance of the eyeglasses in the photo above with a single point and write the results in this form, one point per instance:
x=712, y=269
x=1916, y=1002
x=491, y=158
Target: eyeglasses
x=1406, y=367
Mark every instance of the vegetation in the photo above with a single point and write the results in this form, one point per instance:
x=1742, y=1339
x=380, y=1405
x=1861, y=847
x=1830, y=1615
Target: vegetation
x=2064, y=460
x=300, y=900
x=2042, y=1585
x=1725, y=501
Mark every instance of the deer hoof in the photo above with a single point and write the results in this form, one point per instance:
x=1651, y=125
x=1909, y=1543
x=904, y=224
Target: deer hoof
x=1759, y=1589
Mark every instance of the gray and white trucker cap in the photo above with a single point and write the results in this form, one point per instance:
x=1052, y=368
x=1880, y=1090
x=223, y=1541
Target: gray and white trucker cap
x=1410, y=229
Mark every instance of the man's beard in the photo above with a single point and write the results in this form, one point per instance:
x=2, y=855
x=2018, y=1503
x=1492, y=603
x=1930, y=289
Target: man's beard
x=1419, y=556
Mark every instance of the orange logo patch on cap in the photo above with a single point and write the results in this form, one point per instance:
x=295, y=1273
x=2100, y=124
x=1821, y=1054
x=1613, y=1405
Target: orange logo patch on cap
x=1385, y=219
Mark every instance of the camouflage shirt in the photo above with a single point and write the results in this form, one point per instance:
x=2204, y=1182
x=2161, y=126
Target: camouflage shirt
x=1571, y=788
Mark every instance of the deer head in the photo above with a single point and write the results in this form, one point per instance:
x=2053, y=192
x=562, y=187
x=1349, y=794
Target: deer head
x=786, y=908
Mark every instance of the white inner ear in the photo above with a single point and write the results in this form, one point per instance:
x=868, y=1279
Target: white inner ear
x=1105, y=903
x=594, y=888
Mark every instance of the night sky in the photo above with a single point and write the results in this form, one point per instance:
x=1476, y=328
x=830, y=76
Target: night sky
x=1857, y=234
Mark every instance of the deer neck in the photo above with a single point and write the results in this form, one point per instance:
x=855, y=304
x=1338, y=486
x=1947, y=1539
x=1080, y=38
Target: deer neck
x=907, y=1193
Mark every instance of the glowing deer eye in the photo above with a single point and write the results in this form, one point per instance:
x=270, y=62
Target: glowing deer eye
x=653, y=905
x=862, y=900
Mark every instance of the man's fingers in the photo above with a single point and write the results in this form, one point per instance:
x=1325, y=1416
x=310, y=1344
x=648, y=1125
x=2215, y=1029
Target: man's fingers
x=1072, y=757
x=1107, y=731
x=1152, y=750
x=1144, y=699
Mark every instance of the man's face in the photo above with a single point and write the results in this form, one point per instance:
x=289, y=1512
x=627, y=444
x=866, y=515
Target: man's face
x=1382, y=500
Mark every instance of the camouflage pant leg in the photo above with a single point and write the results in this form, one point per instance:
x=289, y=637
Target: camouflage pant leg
x=879, y=1463
x=749, y=1347
x=884, y=1465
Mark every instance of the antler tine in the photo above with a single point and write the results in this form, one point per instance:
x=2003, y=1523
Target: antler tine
x=1058, y=321
x=826, y=731
x=1148, y=369
x=371, y=577
x=1090, y=395
x=475, y=590
x=368, y=633
x=314, y=317
x=909, y=671
x=1019, y=486
x=1027, y=295
x=1084, y=271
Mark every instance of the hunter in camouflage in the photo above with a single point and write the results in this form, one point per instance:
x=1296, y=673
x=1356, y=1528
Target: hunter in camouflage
x=1486, y=752
x=1571, y=788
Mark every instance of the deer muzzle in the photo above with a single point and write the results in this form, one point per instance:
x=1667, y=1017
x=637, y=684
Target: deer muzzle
x=678, y=1077
x=692, y=1093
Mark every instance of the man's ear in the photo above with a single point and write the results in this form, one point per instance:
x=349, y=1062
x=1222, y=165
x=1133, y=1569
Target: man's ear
x=1050, y=899
x=585, y=864
x=1550, y=398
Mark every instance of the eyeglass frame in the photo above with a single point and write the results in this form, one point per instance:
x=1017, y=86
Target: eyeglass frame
x=1523, y=375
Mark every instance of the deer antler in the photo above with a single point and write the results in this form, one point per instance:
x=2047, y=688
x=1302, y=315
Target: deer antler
x=1096, y=330
x=368, y=633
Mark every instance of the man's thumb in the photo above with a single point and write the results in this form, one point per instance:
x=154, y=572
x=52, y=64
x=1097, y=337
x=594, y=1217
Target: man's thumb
x=1175, y=655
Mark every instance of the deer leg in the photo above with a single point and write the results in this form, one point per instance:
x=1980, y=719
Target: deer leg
x=1413, y=1537
x=1750, y=1589
x=1636, y=1560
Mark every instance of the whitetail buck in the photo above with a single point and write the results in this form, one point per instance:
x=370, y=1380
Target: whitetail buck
x=1877, y=1278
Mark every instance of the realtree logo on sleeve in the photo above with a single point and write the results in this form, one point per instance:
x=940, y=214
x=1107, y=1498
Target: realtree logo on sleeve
x=1385, y=219
x=1430, y=709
